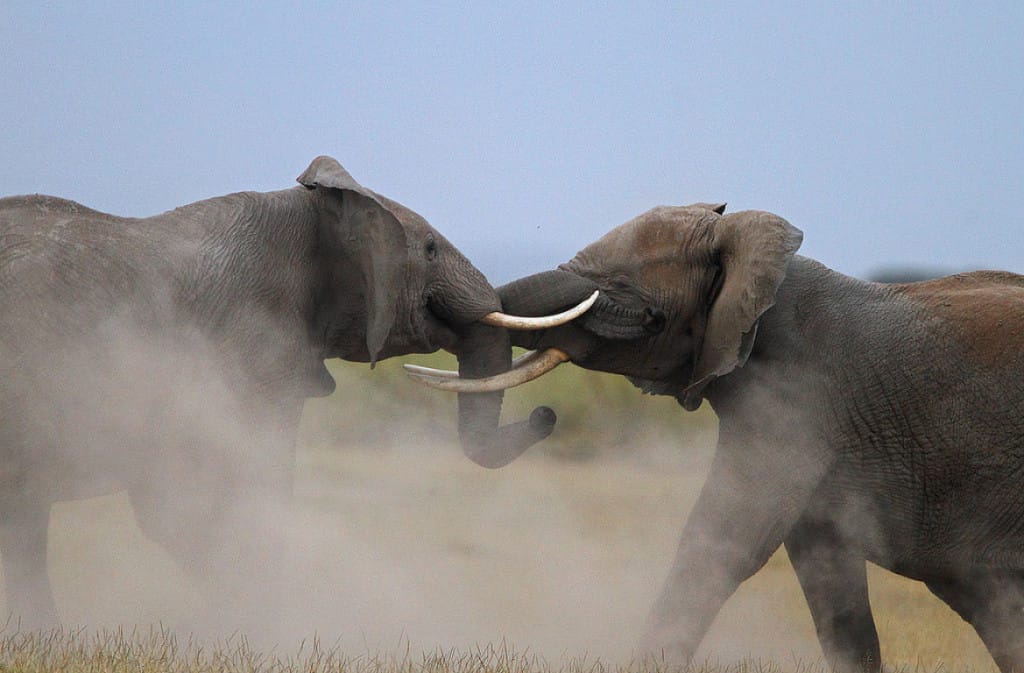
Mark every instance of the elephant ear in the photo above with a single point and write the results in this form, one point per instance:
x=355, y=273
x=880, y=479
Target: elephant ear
x=755, y=249
x=373, y=234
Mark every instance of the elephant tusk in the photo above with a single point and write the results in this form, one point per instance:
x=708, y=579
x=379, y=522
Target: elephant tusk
x=499, y=319
x=526, y=368
x=520, y=361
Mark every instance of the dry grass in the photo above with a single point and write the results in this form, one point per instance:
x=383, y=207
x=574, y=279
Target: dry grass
x=161, y=651
x=406, y=557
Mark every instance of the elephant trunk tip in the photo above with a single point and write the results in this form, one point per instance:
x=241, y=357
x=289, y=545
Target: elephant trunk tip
x=542, y=422
x=499, y=447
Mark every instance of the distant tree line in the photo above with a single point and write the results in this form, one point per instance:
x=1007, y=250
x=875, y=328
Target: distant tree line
x=906, y=274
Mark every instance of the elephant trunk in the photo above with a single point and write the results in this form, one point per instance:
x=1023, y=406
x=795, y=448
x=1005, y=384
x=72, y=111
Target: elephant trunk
x=541, y=294
x=485, y=351
x=465, y=300
x=549, y=291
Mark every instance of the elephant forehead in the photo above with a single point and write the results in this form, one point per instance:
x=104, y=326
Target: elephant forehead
x=664, y=235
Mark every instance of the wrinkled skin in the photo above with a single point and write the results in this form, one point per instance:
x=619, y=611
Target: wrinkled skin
x=858, y=421
x=170, y=356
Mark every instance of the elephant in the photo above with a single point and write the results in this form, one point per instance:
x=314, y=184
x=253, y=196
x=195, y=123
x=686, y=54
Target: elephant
x=169, y=356
x=858, y=421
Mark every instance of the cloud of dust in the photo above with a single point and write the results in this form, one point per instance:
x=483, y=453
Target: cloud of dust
x=174, y=510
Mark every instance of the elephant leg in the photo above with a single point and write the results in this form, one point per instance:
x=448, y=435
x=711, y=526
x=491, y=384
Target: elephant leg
x=993, y=603
x=200, y=494
x=23, y=537
x=224, y=521
x=746, y=508
x=833, y=576
x=177, y=524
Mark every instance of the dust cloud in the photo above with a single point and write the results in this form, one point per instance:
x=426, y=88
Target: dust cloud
x=392, y=540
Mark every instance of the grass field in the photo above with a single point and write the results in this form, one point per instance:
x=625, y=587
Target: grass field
x=405, y=556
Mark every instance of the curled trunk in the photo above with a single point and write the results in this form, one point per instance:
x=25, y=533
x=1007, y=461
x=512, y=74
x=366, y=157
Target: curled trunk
x=467, y=302
x=485, y=351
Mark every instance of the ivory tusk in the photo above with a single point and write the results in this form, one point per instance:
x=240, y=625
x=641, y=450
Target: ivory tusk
x=526, y=368
x=499, y=319
x=520, y=361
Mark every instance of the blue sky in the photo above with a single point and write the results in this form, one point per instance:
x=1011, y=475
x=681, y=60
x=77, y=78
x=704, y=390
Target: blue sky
x=891, y=133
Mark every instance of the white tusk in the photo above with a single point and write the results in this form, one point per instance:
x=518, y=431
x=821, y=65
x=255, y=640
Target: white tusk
x=499, y=319
x=520, y=361
x=526, y=368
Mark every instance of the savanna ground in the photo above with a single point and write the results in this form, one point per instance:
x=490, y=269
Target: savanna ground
x=404, y=556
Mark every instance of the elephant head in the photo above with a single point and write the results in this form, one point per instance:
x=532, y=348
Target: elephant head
x=395, y=285
x=681, y=290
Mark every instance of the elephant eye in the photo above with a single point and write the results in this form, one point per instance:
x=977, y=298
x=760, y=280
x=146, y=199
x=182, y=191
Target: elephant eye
x=431, y=248
x=619, y=289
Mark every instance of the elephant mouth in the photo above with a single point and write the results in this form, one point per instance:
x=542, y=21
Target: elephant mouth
x=438, y=334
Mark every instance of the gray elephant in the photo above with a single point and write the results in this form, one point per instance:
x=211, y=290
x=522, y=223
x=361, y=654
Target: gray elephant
x=170, y=356
x=858, y=421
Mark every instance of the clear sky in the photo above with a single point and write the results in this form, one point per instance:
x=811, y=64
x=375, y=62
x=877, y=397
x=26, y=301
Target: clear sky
x=891, y=133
